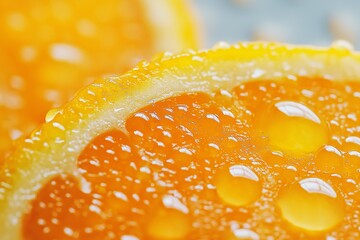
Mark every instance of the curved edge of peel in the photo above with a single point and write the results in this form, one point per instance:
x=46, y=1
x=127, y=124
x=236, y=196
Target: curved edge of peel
x=54, y=147
x=179, y=31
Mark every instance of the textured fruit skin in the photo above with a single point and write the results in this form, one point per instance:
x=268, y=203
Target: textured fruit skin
x=54, y=147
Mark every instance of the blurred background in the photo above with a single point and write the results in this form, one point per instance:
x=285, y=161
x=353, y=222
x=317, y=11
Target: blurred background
x=316, y=22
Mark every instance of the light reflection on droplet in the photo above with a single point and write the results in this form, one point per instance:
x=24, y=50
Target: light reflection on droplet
x=294, y=109
x=316, y=185
x=245, y=234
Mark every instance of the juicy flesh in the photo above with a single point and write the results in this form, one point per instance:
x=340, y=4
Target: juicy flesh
x=213, y=166
x=47, y=46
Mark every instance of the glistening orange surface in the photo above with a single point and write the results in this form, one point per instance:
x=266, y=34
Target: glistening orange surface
x=265, y=159
x=49, y=49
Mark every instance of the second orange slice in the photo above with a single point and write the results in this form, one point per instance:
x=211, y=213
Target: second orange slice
x=49, y=49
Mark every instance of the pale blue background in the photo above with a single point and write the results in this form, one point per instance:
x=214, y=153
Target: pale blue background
x=293, y=21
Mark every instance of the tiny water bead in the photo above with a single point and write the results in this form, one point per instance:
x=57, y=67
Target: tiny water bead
x=194, y=166
x=312, y=204
x=329, y=160
x=275, y=158
x=352, y=161
x=238, y=185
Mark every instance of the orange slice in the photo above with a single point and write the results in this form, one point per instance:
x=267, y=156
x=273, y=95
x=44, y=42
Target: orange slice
x=50, y=49
x=187, y=147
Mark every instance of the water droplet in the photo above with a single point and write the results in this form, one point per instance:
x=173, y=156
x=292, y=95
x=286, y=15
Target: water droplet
x=242, y=234
x=51, y=114
x=342, y=45
x=222, y=45
x=168, y=223
x=293, y=127
x=238, y=185
x=329, y=159
x=352, y=162
x=312, y=205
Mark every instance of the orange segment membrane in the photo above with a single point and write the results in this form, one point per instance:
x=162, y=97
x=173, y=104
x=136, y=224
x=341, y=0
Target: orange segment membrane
x=214, y=166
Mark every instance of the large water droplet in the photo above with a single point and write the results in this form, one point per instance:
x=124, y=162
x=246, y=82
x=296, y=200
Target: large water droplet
x=312, y=204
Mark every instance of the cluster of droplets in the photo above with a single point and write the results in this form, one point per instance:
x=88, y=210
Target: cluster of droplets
x=266, y=159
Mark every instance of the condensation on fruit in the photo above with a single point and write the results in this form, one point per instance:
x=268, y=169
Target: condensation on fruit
x=266, y=159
